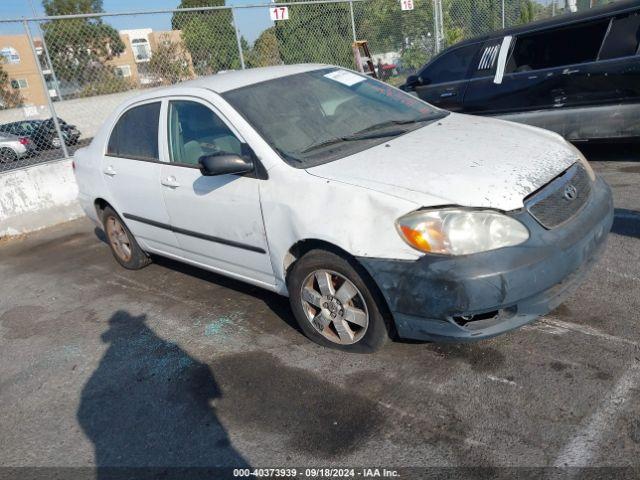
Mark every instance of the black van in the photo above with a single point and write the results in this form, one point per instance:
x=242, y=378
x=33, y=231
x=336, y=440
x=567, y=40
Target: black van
x=576, y=74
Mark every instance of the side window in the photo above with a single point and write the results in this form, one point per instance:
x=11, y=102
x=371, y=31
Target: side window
x=452, y=66
x=623, y=38
x=488, y=60
x=136, y=133
x=194, y=131
x=556, y=48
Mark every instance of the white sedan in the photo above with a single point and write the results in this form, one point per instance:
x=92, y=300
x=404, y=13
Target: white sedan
x=376, y=213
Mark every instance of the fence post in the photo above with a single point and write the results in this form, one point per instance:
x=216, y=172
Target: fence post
x=54, y=117
x=503, y=22
x=353, y=21
x=235, y=26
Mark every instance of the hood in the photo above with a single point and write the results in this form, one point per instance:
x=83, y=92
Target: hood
x=459, y=160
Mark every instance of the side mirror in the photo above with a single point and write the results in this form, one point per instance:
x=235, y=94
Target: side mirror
x=224, y=164
x=411, y=82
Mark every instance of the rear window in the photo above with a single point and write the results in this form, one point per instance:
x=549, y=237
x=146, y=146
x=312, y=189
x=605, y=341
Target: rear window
x=135, y=135
x=623, y=38
x=450, y=67
x=556, y=48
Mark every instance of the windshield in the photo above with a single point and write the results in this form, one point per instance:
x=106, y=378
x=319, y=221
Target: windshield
x=319, y=116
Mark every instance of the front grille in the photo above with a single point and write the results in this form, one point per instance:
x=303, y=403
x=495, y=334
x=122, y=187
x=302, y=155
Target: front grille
x=561, y=199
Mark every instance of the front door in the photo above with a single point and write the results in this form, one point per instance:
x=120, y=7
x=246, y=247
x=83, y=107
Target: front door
x=217, y=220
x=444, y=81
x=131, y=172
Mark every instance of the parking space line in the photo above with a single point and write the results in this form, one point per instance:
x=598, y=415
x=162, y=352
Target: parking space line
x=581, y=449
x=587, y=330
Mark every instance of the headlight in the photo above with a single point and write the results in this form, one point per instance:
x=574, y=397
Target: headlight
x=455, y=231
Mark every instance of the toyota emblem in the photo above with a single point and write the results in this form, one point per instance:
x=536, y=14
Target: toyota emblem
x=570, y=192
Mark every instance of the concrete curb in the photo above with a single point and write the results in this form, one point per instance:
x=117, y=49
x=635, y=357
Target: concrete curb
x=37, y=197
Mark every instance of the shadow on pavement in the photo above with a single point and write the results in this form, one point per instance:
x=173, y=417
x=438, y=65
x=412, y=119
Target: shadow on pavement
x=626, y=222
x=149, y=404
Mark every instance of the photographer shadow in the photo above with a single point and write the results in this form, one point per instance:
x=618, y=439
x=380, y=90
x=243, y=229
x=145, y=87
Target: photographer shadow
x=149, y=406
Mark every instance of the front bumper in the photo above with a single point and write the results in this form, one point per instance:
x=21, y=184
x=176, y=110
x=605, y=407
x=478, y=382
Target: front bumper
x=434, y=297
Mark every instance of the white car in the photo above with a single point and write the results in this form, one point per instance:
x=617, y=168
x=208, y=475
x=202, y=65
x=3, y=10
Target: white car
x=375, y=212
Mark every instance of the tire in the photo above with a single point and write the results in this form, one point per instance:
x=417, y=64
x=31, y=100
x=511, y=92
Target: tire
x=322, y=312
x=7, y=155
x=123, y=245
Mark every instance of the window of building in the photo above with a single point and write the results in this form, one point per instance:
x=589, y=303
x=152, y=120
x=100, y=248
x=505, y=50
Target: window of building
x=194, y=131
x=123, y=71
x=10, y=55
x=19, y=84
x=141, y=49
x=450, y=67
x=136, y=133
x=558, y=47
x=623, y=38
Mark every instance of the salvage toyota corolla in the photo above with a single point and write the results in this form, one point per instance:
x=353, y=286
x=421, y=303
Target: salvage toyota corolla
x=376, y=213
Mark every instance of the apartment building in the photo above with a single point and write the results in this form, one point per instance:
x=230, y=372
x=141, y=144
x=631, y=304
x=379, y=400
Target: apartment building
x=132, y=64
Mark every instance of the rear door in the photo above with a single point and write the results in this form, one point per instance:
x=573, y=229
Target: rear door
x=443, y=82
x=217, y=219
x=615, y=76
x=131, y=172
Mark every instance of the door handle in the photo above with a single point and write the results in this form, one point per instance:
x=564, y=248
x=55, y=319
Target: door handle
x=448, y=94
x=109, y=171
x=170, y=182
x=569, y=71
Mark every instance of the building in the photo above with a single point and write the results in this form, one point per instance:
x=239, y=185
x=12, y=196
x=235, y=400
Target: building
x=132, y=64
x=19, y=63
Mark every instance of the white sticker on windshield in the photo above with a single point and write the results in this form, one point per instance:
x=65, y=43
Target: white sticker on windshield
x=344, y=77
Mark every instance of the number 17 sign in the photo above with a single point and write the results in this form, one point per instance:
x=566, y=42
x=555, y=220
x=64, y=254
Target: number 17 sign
x=279, y=13
x=406, y=4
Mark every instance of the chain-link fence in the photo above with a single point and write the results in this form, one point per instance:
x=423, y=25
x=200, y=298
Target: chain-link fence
x=61, y=76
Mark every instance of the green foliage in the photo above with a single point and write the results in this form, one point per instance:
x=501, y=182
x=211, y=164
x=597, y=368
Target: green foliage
x=265, y=51
x=9, y=97
x=527, y=11
x=105, y=84
x=80, y=47
x=169, y=63
x=316, y=33
x=208, y=36
x=414, y=57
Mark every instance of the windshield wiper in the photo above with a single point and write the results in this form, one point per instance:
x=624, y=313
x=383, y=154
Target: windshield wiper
x=361, y=135
x=391, y=123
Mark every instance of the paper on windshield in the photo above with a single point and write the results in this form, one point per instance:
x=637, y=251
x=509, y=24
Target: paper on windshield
x=344, y=77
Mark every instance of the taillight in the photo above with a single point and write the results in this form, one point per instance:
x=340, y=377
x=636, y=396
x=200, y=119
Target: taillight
x=24, y=140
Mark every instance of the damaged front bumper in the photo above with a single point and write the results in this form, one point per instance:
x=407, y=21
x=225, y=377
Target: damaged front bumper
x=471, y=297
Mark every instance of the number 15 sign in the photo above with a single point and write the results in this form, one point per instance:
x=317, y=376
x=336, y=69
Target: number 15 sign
x=279, y=13
x=406, y=4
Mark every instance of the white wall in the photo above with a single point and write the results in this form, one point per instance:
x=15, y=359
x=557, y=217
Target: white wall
x=37, y=197
x=88, y=114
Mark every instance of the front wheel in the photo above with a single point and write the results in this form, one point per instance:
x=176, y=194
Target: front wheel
x=7, y=155
x=333, y=304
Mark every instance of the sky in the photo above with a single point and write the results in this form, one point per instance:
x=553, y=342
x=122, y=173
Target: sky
x=251, y=21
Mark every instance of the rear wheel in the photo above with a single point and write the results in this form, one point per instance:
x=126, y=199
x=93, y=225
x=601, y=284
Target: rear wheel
x=7, y=155
x=123, y=245
x=333, y=304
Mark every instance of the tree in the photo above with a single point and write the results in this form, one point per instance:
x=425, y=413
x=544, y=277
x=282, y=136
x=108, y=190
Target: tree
x=209, y=36
x=527, y=11
x=265, y=51
x=316, y=33
x=81, y=47
x=169, y=62
x=9, y=97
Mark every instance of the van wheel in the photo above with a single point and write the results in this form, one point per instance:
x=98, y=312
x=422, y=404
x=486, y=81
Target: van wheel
x=123, y=245
x=333, y=304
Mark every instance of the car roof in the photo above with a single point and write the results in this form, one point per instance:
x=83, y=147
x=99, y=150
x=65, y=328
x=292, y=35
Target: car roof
x=231, y=80
x=623, y=6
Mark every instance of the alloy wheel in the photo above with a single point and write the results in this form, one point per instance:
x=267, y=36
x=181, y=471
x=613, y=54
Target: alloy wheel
x=118, y=239
x=334, y=306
